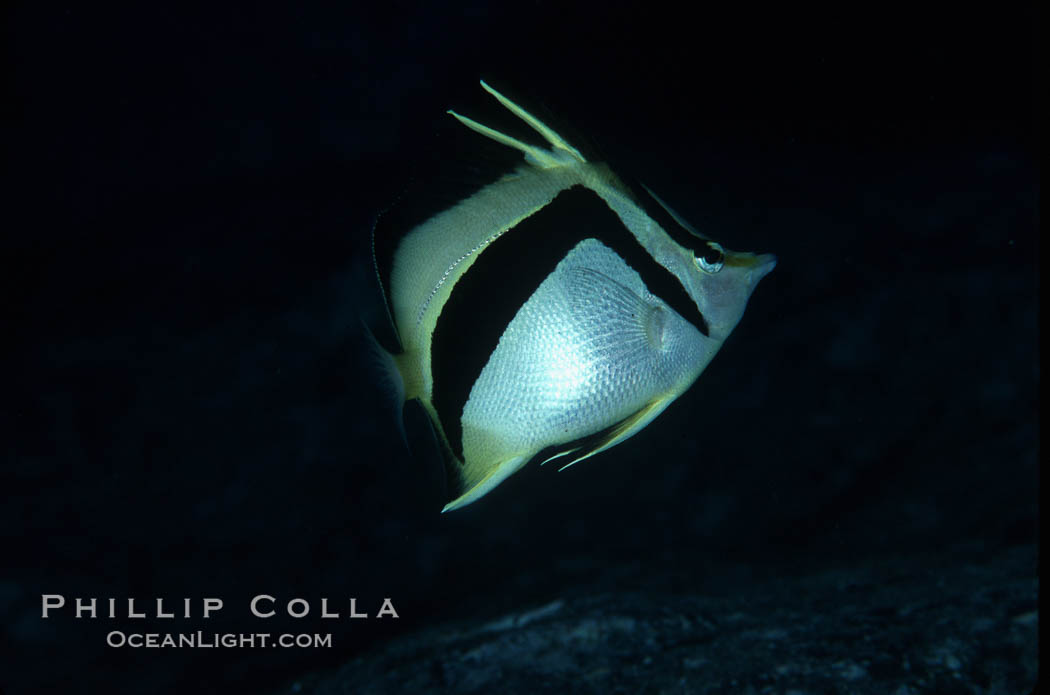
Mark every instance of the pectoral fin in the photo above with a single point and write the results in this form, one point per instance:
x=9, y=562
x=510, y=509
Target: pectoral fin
x=627, y=326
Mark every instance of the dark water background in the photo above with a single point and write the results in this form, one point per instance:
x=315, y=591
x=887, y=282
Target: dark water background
x=187, y=409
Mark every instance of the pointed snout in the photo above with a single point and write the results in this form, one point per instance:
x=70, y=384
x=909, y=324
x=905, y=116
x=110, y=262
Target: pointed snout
x=756, y=265
x=764, y=264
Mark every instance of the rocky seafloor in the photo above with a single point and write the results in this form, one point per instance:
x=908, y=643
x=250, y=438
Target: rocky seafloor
x=896, y=625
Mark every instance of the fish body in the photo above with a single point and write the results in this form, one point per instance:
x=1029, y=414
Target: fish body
x=553, y=313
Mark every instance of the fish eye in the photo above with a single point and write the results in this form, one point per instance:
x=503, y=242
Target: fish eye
x=710, y=259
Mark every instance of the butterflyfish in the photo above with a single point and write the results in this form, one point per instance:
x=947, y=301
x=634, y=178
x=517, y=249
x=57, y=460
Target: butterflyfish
x=554, y=312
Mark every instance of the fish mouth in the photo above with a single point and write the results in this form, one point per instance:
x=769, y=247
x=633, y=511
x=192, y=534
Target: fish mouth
x=758, y=265
x=763, y=266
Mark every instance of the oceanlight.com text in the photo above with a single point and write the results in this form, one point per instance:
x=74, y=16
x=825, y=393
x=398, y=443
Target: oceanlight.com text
x=217, y=640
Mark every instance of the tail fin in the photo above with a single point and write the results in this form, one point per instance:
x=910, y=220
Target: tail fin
x=393, y=382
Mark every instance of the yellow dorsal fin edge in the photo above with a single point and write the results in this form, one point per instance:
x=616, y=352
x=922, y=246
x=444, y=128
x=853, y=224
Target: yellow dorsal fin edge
x=561, y=154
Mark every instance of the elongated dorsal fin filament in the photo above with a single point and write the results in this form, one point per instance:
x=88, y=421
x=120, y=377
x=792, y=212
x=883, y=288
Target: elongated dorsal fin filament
x=560, y=154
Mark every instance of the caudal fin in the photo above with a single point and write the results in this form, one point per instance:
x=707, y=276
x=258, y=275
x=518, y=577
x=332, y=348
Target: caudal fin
x=384, y=364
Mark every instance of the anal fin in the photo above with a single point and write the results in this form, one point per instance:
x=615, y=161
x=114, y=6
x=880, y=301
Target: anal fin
x=496, y=475
x=579, y=450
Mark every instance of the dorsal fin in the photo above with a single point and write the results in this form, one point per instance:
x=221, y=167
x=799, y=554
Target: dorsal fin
x=674, y=215
x=561, y=154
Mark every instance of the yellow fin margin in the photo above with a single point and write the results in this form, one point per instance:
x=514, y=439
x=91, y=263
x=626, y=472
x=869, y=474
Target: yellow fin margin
x=561, y=154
